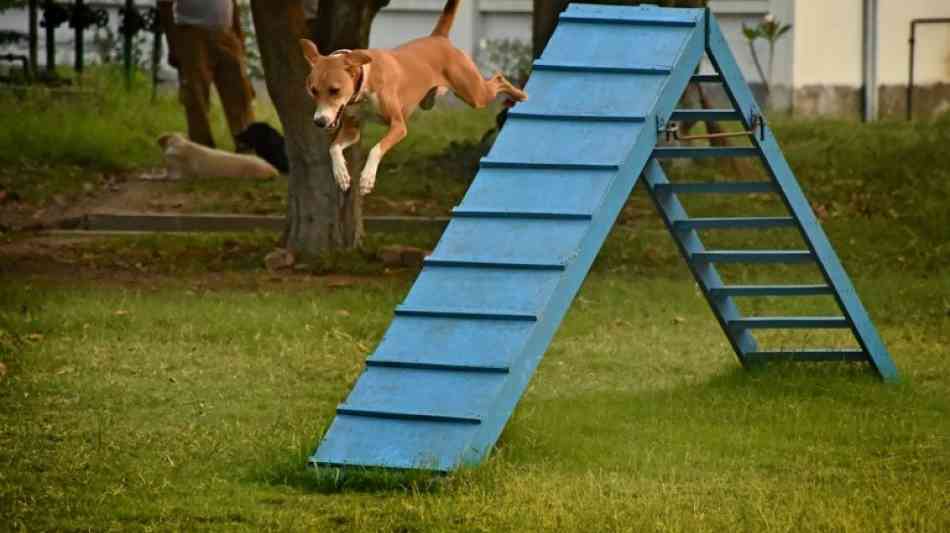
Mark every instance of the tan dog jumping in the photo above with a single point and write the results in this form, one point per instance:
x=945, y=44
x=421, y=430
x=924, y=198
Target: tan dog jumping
x=395, y=82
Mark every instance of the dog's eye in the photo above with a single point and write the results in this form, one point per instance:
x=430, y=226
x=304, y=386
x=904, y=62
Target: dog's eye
x=312, y=91
x=334, y=91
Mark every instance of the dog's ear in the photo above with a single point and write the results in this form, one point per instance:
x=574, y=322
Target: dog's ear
x=310, y=51
x=357, y=58
x=163, y=140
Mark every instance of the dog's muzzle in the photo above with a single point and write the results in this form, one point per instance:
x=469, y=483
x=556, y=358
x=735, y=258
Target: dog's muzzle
x=323, y=122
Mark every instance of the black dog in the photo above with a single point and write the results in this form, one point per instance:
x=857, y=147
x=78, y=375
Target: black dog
x=267, y=143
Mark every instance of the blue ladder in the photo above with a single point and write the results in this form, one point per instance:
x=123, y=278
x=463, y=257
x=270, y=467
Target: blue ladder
x=447, y=375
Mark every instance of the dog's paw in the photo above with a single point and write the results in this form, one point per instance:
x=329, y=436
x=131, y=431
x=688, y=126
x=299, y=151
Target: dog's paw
x=367, y=181
x=342, y=177
x=340, y=172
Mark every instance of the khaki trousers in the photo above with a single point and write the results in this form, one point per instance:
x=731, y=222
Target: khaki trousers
x=207, y=55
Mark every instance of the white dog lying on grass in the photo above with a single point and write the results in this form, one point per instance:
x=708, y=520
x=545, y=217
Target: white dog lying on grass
x=185, y=159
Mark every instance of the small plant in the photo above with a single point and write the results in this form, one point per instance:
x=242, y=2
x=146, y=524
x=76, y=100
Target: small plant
x=510, y=56
x=771, y=30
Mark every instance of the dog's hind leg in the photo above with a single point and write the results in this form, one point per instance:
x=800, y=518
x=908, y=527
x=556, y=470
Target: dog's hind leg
x=468, y=84
x=348, y=135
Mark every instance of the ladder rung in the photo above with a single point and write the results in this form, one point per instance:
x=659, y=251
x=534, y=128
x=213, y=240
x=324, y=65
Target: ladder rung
x=542, y=65
x=695, y=115
x=576, y=117
x=706, y=78
x=681, y=152
x=789, y=322
x=808, y=355
x=716, y=187
x=630, y=22
x=759, y=256
x=430, y=417
x=488, y=163
x=465, y=212
x=403, y=310
x=734, y=223
x=481, y=263
x=419, y=365
x=770, y=290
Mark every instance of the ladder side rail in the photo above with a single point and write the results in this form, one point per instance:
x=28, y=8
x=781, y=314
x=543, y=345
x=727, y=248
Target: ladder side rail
x=707, y=276
x=793, y=197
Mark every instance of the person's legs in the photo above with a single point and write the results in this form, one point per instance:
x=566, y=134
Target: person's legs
x=230, y=79
x=195, y=75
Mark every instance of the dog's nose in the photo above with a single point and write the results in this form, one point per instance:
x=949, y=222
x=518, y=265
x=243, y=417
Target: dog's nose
x=321, y=121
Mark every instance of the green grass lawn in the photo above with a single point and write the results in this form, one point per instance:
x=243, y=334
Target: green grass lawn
x=152, y=397
x=162, y=383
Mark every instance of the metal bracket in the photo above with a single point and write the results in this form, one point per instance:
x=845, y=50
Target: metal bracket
x=671, y=131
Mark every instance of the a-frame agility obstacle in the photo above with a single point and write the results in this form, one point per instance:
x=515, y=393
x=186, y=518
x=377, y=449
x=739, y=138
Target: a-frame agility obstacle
x=462, y=347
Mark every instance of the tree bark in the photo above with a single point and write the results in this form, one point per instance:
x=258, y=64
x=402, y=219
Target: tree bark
x=320, y=217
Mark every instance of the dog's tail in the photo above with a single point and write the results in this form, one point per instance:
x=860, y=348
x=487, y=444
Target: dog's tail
x=446, y=19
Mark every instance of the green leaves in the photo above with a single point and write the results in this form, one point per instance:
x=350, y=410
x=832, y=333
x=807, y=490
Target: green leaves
x=769, y=29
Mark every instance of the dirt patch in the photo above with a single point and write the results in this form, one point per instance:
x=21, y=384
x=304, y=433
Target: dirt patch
x=70, y=261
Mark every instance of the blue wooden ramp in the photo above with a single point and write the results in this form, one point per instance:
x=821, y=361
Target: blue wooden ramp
x=462, y=347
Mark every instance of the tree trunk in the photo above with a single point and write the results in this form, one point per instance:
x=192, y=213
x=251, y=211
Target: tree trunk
x=544, y=19
x=320, y=217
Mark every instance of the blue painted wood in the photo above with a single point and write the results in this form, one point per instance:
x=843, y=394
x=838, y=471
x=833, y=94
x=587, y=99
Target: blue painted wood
x=552, y=190
x=429, y=417
x=526, y=115
x=579, y=68
x=758, y=256
x=448, y=373
x=742, y=99
x=695, y=115
x=461, y=341
x=472, y=262
x=707, y=276
x=619, y=94
x=771, y=290
x=487, y=212
x=388, y=363
x=790, y=322
x=808, y=355
x=539, y=165
x=734, y=223
x=687, y=152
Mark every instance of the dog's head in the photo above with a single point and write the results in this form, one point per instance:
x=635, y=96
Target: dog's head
x=332, y=82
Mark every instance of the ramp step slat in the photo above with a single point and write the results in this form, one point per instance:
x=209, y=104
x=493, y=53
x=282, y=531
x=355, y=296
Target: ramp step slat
x=679, y=152
x=717, y=187
x=790, y=322
x=734, y=223
x=696, y=115
x=542, y=65
x=403, y=310
x=467, y=212
x=576, y=117
x=488, y=163
x=421, y=365
x=761, y=256
x=482, y=263
x=706, y=78
x=809, y=355
x=771, y=290
x=594, y=19
x=429, y=417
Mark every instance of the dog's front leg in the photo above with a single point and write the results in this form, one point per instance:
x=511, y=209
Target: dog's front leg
x=397, y=132
x=348, y=135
